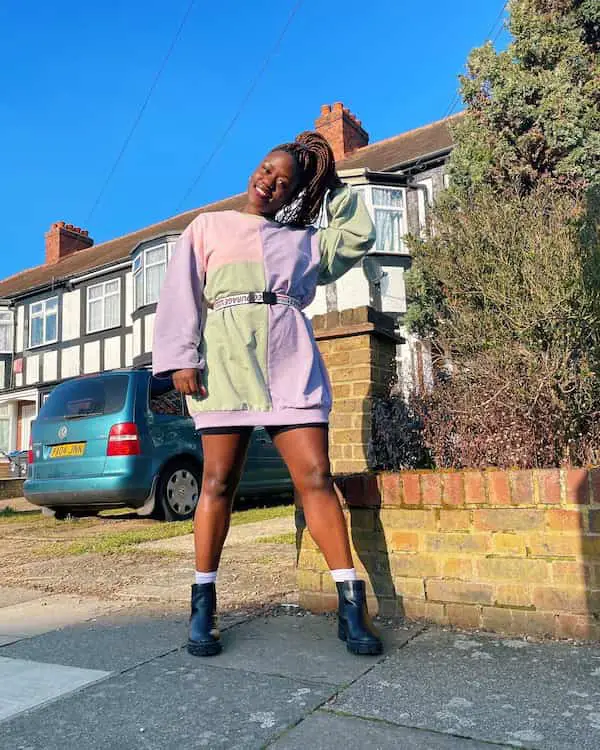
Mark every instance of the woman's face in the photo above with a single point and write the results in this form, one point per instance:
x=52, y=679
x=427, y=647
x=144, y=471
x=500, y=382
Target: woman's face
x=273, y=184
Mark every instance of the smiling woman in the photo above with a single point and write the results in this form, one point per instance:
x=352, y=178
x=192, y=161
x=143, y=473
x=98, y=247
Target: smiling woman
x=253, y=361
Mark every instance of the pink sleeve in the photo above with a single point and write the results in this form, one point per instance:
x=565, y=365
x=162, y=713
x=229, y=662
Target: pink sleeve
x=178, y=322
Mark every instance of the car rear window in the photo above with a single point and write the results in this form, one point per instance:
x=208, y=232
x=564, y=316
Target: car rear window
x=86, y=397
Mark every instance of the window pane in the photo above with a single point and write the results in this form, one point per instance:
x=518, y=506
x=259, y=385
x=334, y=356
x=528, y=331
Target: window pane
x=111, y=287
x=37, y=331
x=51, y=305
x=95, y=292
x=139, y=289
x=387, y=197
x=156, y=255
x=95, y=315
x=388, y=227
x=37, y=308
x=4, y=433
x=6, y=337
x=5, y=316
x=51, y=327
x=154, y=280
x=111, y=311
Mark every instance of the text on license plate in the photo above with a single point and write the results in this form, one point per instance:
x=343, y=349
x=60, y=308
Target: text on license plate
x=68, y=449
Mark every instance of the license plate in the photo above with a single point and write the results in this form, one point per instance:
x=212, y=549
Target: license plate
x=68, y=449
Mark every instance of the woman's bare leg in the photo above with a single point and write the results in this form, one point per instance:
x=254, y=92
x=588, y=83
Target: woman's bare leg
x=224, y=459
x=305, y=451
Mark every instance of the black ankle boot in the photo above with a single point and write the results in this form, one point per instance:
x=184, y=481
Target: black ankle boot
x=203, y=635
x=354, y=623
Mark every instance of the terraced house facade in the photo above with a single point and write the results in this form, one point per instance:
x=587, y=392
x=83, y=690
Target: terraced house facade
x=89, y=308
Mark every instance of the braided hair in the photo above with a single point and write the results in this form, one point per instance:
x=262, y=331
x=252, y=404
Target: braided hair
x=316, y=173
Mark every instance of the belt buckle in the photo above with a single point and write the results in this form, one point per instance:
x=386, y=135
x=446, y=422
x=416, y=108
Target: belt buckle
x=269, y=298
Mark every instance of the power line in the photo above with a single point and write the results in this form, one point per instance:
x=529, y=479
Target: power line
x=499, y=19
x=141, y=111
x=241, y=107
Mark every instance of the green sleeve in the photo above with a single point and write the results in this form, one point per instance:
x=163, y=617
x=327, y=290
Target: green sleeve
x=348, y=236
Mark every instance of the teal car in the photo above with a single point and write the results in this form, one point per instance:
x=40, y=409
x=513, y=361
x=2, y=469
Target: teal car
x=124, y=439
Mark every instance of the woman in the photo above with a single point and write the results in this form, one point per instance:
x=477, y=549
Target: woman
x=229, y=328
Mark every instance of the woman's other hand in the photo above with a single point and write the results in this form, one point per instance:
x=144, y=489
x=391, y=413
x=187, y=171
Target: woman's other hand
x=188, y=382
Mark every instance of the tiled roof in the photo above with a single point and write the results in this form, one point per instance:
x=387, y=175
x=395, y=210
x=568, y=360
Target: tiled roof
x=377, y=156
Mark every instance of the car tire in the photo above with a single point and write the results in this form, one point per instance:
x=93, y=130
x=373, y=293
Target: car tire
x=178, y=490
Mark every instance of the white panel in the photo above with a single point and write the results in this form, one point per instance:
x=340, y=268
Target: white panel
x=18, y=380
x=128, y=350
x=50, y=366
x=393, y=291
x=112, y=353
x=137, y=337
x=148, y=331
x=70, y=362
x=128, y=298
x=319, y=305
x=91, y=357
x=19, y=344
x=71, y=328
x=2, y=374
x=353, y=290
x=32, y=369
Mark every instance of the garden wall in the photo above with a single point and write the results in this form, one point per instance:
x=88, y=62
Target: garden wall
x=507, y=551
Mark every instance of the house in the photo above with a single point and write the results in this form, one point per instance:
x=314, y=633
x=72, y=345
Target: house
x=89, y=308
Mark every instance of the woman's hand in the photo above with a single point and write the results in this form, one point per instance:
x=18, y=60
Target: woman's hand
x=188, y=382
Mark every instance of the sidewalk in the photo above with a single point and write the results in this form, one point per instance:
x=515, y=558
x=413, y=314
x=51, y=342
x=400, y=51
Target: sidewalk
x=123, y=681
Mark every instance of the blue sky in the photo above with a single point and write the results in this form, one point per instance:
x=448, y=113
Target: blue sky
x=74, y=76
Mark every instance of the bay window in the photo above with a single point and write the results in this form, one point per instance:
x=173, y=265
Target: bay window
x=149, y=269
x=388, y=211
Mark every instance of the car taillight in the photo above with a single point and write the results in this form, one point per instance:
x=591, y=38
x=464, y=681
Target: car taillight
x=123, y=440
x=30, y=451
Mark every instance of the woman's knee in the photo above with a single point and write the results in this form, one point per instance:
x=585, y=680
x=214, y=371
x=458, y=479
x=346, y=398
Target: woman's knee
x=315, y=478
x=219, y=482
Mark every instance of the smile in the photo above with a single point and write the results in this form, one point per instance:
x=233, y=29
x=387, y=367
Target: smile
x=263, y=192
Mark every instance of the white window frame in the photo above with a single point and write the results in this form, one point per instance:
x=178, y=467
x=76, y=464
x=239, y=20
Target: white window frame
x=367, y=192
x=10, y=321
x=102, y=298
x=140, y=266
x=43, y=314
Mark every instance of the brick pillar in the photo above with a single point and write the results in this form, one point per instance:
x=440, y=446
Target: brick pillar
x=359, y=349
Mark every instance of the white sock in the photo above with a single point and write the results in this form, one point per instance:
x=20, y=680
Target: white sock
x=206, y=577
x=344, y=574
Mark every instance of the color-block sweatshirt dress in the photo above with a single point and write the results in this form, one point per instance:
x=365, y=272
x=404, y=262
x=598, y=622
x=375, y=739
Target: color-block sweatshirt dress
x=259, y=363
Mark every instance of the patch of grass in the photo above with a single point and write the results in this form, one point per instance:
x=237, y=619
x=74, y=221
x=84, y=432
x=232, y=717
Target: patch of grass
x=261, y=514
x=111, y=542
x=278, y=539
x=118, y=541
x=10, y=514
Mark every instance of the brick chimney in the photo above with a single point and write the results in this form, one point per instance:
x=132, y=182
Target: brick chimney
x=342, y=129
x=64, y=239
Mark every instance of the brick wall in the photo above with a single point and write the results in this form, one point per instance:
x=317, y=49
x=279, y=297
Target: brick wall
x=359, y=349
x=507, y=551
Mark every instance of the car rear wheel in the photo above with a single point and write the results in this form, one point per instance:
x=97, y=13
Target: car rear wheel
x=178, y=490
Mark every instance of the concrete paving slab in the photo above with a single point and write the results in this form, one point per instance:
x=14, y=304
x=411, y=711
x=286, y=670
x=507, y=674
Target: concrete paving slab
x=540, y=696
x=25, y=684
x=169, y=704
x=322, y=731
x=6, y=639
x=109, y=643
x=50, y=612
x=304, y=647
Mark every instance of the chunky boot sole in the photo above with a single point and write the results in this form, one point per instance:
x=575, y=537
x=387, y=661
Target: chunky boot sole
x=358, y=647
x=204, y=649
